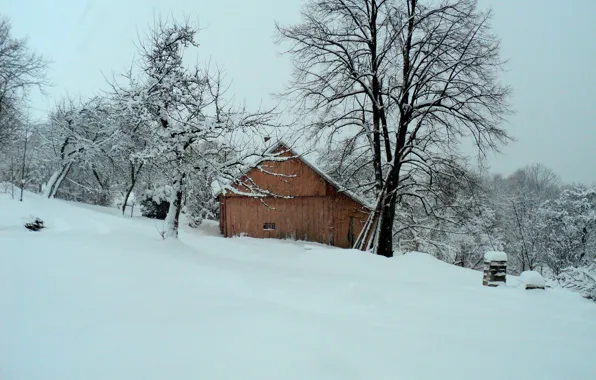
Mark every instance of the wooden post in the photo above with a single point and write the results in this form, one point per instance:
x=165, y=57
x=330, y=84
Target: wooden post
x=495, y=269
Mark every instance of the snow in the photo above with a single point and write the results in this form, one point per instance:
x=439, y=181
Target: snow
x=100, y=296
x=532, y=278
x=495, y=256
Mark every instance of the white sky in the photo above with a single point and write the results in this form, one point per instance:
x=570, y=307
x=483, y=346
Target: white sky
x=550, y=44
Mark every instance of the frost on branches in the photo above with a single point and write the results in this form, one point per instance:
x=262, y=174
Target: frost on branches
x=581, y=279
x=444, y=210
x=567, y=229
x=78, y=135
x=187, y=114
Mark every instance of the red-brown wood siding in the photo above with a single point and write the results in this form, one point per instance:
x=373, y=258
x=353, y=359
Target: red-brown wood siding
x=292, y=178
x=321, y=219
x=315, y=212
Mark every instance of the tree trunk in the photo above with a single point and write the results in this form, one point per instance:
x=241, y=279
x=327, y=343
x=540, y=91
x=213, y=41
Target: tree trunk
x=23, y=166
x=173, y=218
x=56, y=180
x=128, y=191
x=377, y=233
x=387, y=216
x=385, y=239
x=133, y=181
x=98, y=179
x=49, y=185
x=12, y=177
x=385, y=210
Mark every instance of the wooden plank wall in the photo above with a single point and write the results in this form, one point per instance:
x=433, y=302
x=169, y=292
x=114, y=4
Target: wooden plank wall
x=344, y=208
x=297, y=180
x=316, y=211
x=320, y=219
x=303, y=218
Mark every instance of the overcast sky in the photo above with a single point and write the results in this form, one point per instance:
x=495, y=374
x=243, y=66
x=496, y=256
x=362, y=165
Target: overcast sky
x=550, y=45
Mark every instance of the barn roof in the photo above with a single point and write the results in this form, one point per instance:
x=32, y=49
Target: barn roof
x=317, y=170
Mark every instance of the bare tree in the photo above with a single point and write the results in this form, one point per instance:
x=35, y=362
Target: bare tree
x=520, y=197
x=405, y=81
x=26, y=136
x=20, y=71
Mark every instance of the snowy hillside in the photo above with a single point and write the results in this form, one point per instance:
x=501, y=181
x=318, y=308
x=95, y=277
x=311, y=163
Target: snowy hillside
x=100, y=296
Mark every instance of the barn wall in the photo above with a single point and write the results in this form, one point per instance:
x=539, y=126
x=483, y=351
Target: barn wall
x=316, y=211
x=298, y=218
x=321, y=219
x=296, y=179
x=343, y=208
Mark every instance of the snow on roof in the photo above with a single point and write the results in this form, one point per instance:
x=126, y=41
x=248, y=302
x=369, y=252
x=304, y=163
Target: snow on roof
x=532, y=278
x=317, y=170
x=495, y=256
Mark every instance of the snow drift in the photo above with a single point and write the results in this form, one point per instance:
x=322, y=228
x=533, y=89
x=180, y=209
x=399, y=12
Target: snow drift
x=101, y=296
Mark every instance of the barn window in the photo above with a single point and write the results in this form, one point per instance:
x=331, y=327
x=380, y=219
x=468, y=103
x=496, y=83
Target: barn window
x=269, y=226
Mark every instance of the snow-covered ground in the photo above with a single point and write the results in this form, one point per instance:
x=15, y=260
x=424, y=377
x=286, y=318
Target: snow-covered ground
x=101, y=296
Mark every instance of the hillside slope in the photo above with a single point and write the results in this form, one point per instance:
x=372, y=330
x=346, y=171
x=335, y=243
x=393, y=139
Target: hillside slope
x=101, y=296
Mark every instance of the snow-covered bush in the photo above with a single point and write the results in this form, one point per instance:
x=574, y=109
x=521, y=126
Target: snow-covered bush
x=201, y=202
x=154, y=202
x=581, y=279
x=198, y=209
x=154, y=210
x=119, y=200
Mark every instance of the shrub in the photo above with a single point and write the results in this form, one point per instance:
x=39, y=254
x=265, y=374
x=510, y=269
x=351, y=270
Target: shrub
x=35, y=225
x=154, y=203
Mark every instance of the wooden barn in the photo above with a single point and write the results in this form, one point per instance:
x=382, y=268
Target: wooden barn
x=306, y=204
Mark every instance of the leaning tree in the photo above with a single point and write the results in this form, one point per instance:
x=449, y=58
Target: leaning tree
x=79, y=134
x=401, y=83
